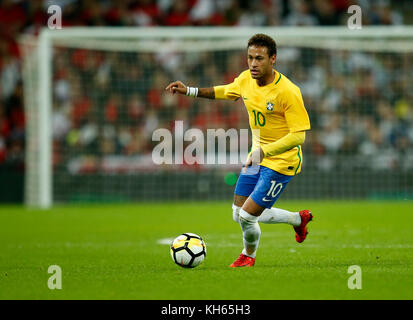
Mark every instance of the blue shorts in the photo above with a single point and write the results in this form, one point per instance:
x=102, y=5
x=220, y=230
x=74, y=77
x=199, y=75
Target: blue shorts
x=262, y=184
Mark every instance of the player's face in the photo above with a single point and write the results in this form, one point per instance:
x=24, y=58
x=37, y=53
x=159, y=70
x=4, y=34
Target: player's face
x=259, y=62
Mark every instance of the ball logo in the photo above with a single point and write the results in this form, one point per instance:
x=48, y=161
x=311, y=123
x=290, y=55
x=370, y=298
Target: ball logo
x=270, y=106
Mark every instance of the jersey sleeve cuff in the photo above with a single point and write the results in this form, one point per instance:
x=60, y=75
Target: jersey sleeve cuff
x=220, y=92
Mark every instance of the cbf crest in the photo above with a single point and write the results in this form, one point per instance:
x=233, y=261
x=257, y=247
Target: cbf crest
x=270, y=106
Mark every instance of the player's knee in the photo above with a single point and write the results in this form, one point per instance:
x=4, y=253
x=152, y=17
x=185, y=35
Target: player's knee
x=239, y=200
x=249, y=225
x=235, y=213
x=247, y=217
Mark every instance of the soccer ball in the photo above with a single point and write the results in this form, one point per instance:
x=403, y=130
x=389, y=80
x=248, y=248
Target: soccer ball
x=188, y=250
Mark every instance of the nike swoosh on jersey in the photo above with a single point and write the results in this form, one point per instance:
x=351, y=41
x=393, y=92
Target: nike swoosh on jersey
x=263, y=199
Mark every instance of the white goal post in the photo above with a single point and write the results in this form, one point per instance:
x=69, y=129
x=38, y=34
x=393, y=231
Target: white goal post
x=38, y=61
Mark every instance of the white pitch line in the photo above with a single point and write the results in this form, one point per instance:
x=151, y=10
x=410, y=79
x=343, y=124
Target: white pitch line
x=168, y=241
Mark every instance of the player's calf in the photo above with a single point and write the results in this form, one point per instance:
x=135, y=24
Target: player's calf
x=251, y=232
x=276, y=215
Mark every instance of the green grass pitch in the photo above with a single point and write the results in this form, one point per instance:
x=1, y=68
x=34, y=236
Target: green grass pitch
x=119, y=252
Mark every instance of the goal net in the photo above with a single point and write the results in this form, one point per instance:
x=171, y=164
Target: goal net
x=95, y=101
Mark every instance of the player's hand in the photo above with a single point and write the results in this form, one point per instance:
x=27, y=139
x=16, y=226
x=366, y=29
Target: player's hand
x=254, y=158
x=176, y=87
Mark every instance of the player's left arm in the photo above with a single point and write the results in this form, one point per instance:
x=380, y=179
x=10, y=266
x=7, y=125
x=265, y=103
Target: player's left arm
x=289, y=141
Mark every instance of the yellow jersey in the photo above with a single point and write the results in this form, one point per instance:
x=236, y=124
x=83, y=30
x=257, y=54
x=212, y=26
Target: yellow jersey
x=274, y=110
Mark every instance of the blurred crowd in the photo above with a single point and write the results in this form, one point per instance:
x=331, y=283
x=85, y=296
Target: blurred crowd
x=108, y=103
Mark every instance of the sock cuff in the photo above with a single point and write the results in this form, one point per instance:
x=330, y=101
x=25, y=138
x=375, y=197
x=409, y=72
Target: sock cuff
x=253, y=255
x=246, y=216
x=234, y=207
x=235, y=213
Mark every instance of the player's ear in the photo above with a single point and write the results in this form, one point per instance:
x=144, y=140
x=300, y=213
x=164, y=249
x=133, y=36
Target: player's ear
x=273, y=58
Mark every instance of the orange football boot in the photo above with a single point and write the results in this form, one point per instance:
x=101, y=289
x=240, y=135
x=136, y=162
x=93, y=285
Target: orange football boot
x=243, y=261
x=301, y=230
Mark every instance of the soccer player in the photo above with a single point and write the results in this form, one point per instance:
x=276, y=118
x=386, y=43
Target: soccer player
x=278, y=121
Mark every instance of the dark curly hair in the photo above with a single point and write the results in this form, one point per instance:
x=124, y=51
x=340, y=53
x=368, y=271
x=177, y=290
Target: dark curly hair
x=262, y=40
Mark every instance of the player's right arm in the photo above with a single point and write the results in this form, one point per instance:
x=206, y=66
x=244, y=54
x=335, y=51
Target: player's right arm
x=228, y=92
x=179, y=87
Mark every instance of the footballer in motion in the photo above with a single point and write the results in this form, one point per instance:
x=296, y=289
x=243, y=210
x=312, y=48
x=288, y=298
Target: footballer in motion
x=278, y=121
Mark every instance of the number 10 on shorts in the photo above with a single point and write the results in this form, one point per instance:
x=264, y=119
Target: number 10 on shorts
x=275, y=189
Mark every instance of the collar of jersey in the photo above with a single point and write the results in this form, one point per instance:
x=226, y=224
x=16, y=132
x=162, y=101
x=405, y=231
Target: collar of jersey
x=274, y=82
x=279, y=78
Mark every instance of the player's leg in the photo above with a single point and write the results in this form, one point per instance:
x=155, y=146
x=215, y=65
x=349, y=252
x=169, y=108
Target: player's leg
x=276, y=215
x=244, y=187
x=298, y=220
x=269, y=187
x=248, y=219
x=251, y=232
x=261, y=198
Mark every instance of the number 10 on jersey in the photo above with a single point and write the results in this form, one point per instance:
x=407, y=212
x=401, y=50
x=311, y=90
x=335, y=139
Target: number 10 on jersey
x=259, y=118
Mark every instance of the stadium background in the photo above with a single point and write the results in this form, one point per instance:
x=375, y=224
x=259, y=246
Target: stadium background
x=360, y=106
x=106, y=104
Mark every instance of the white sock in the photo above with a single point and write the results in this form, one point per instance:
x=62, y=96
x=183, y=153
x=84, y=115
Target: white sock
x=275, y=215
x=235, y=213
x=251, y=232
